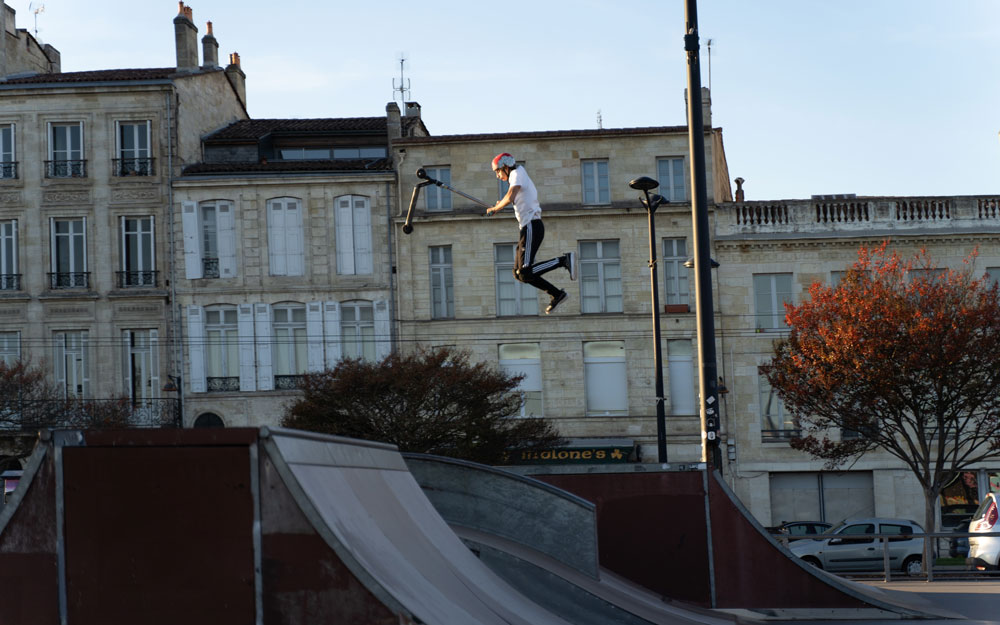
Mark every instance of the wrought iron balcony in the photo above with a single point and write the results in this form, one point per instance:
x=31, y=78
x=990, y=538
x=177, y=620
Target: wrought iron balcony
x=66, y=169
x=8, y=169
x=10, y=282
x=69, y=280
x=137, y=279
x=287, y=382
x=210, y=267
x=27, y=415
x=133, y=166
x=779, y=436
x=223, y=385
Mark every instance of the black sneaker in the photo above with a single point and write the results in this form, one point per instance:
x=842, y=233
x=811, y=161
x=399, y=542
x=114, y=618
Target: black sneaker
x=556, y=300
x=571, y=264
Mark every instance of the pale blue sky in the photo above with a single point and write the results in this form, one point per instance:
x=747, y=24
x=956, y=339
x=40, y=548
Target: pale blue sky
x=874, y=97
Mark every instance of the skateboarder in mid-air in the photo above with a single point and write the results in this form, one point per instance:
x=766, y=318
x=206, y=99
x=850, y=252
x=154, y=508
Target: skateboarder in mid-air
x=524, y=196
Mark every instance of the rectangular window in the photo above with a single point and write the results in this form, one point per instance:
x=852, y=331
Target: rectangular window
x=604, y=378
x=10, y=347
x=770, y=292
x=994, y=274
x=438, y=198
x=66, y=151
x=10, y=279
x=442, y=288
x=513, y=297
x=222, y=357
x=600, y=277
x=289, y=353
x=775, y=423
x=670, y=172
x=357, y=330
x=8, y=157
x=72, y=364
x=69, y=254
x=285, y=241
x=138, y=258
x=525, y=359
x=134, y=155
x=308, y=154
x=596, y=188
x=141, y=364
x=354, y=235
x=209, y=240
x=675, y=274
x=680, y=369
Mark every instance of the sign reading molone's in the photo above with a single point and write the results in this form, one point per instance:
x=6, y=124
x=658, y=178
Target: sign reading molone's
x=614, y=454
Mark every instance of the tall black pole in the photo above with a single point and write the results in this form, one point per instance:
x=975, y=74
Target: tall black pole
x=661, y=419
x=707, y=376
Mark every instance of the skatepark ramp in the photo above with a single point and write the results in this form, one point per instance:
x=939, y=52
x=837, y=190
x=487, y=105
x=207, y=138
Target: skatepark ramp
x=271, y=526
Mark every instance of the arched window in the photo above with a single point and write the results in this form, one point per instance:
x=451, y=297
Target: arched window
x=209, y=420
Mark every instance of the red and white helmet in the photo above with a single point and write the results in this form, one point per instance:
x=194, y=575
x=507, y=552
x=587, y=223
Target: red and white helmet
x=503, y=160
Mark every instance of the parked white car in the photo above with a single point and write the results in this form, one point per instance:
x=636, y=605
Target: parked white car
x=984, y=547
x=838, y=550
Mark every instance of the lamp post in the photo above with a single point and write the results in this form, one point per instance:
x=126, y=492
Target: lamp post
x=651, y=203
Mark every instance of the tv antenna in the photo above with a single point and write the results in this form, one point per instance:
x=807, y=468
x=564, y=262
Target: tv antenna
x=404, y=84
x=709, y=64
x=36, y=8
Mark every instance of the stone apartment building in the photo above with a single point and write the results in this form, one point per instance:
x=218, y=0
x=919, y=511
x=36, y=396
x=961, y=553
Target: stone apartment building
x=86, y=160
x=589, y=366
x=283, y=258
x=770, y=252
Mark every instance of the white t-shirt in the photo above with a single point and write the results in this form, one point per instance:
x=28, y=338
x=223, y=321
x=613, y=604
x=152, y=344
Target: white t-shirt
x=526, y=206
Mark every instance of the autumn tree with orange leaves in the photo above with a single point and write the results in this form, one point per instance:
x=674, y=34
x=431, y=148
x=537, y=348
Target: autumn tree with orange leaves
x=901, y=356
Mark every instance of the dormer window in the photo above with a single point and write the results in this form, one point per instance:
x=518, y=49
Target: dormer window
x=305, y=154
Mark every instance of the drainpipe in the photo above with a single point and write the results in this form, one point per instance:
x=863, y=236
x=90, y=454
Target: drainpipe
x=178, y=350
x=393, y=334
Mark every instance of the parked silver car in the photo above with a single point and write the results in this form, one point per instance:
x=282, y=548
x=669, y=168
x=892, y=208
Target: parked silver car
x=837, y=549
x=984, y=548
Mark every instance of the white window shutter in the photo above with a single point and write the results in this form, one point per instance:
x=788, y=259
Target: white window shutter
x=314, y=336
x=345, y=236
x=59, y=360
x=126, y=360
x=154, y=362
x=262, y=323
x=294, y=244
x=383, y=331
x=276, y=237
x=85, y=349
x=244, y=328
x=362, y=236
x=331, y=326
x=226, y=220
x=196, y=349
x=192, y=241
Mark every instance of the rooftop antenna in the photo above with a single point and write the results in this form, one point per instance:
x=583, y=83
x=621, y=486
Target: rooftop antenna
x=600, y=121
x=710, y=65
x=404, y=84
x=36, y=9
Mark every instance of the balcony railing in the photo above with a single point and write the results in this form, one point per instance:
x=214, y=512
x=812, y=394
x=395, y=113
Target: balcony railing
x=10, y=282
x=8, y=169
x=28, y=415
x=223, y=385
x=66, y=169
x=132, y=166
x=69, y=280
x=850, y=215
x=137, y=279
x=210, y=267
x=287, y=382
x=778, y=436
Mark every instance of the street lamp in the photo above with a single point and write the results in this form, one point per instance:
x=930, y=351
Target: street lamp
x=652, y=202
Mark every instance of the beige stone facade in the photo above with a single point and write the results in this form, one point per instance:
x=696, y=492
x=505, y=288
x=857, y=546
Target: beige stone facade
x=555, y=162
x=809, y=240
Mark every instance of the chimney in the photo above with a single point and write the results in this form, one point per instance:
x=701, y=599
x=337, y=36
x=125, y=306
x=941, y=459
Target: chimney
x=706, y=106
x=210, y=49
x=394, y=126
x=186, y=38
x=237, y=78
x=413, y=109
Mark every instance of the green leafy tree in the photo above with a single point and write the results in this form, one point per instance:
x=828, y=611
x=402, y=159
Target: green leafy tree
x=901, y=356
x=434, y=401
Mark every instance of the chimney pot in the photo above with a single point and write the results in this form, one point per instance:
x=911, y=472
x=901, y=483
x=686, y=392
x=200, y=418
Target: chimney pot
x=234, y=59
x=209, y=27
